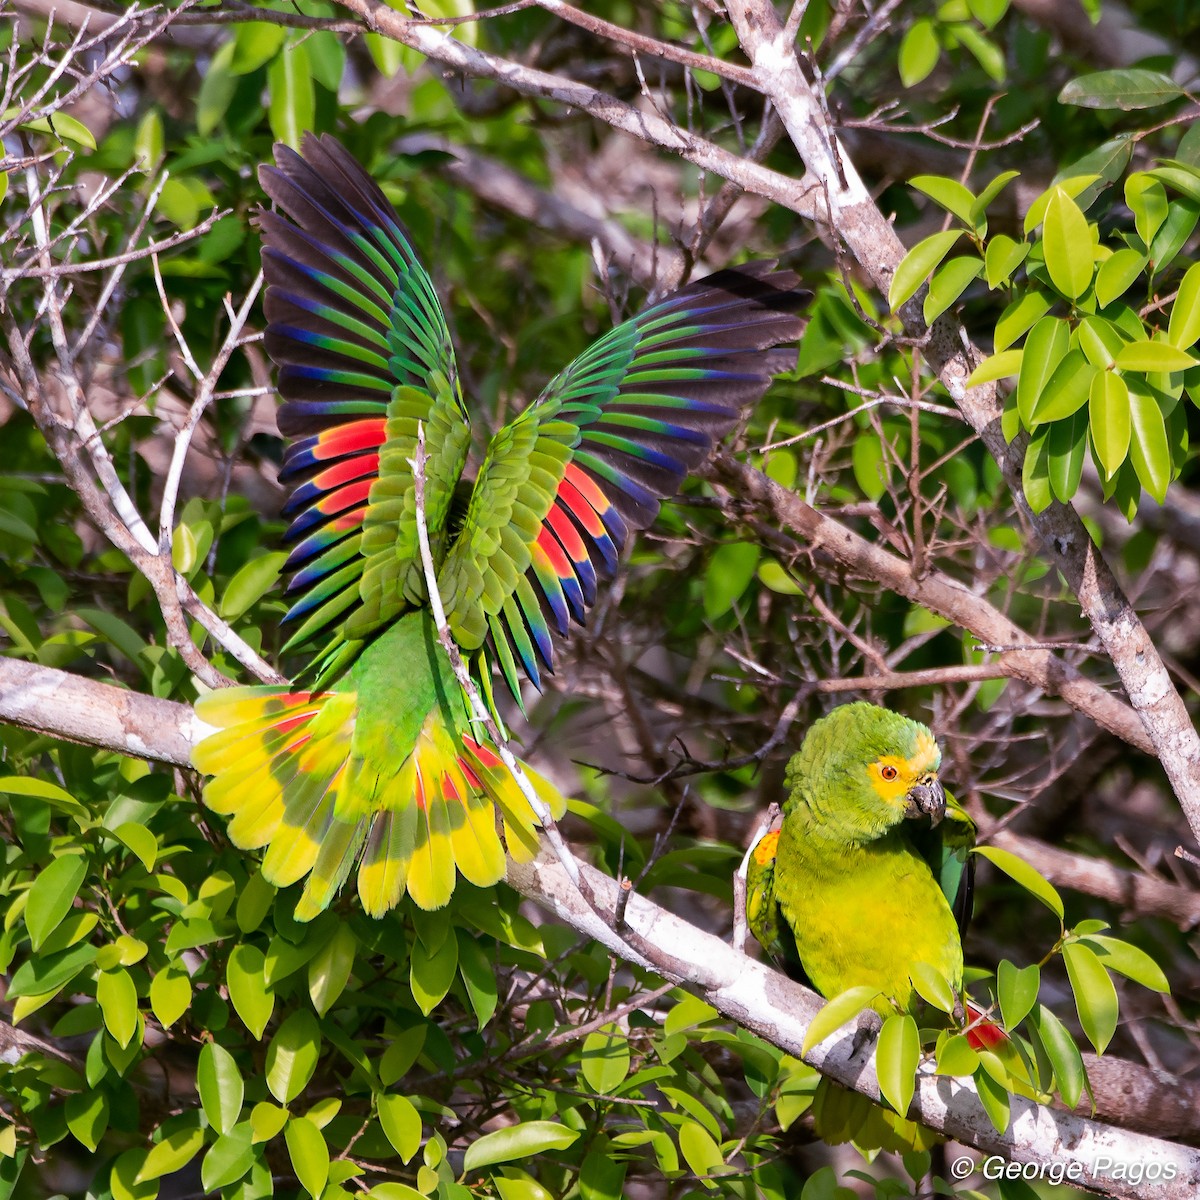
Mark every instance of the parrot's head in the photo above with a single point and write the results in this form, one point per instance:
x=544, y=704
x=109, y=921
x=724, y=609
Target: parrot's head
x=862, y=770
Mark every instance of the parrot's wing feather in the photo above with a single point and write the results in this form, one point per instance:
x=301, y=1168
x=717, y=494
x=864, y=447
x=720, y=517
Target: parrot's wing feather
x=763, y=915
x=947, y=849
x=611, y=436
x=364, y=354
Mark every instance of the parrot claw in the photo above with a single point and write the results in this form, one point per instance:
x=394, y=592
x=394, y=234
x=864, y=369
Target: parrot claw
x=867, y=1031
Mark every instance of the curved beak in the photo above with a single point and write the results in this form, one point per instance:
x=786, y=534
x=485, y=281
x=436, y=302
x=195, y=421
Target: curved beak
x=927, y=799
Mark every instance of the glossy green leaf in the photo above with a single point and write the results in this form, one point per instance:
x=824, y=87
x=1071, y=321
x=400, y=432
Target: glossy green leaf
x=308, y=1153
x=994, y=1098
x=932, y=986
x=870, y=468
x=517, y=1141
x=293, y=102
x=170, y=994
x=1066, y=449
x=245, y=976
x=837, y=1012
x=1128, y=960
x=949, y=194
x=896, y=1059
x=117, y=996
x=1074, y=187
x=955, y=1056
x=219, y=1083
x=401, y=1124
x=1147, y=200
x=996, y=366
x=949, y=282
x=252, y=581
x=1067, y=242
x=1109, y=419
x=1017, y=991
x=605, y=1059
x=87, y=1117
x=53, y=895
x=1066, y=391
x=1184, y=327
x=1127, y=88
x=1018, y=318
x=917, y=264
x=430, y=975
x=57, y=797
x=478, y=976
x=1149, y=450
x=64, y=127
x=699, y=1150
x=1022, y=873
x=217, y=88
x=1151, y=356
x=140, y=841
x=1003, y=256
x=266, y=1120
x=729, y=572
x=1095, y=996
x=1117, y=274
x=292, y=1056
x=1045, y=347
x=1063, y=1054
x=228, y=1158
x=918, y=53
x=255, y=44
x=172, y=1153
x=1100, y=340
x=394, y=1191
x=991, y=191
x=1182, y=218
x=40, y=975
x=329, y=969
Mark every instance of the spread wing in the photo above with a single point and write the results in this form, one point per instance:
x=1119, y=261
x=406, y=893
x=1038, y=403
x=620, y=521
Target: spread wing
x=565, y=483
x=364, y=355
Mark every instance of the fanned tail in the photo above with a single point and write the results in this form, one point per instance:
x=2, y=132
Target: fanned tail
x=287, y=773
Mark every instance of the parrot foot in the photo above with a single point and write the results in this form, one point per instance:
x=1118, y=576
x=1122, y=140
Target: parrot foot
x=867, y=1032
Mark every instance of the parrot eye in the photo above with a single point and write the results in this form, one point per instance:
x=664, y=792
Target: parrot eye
x=889, y=773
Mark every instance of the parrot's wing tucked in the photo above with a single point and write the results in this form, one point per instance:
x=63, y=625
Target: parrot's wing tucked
x=612, y=435
x=763, y=916
x=946, y=847
x=364, y=355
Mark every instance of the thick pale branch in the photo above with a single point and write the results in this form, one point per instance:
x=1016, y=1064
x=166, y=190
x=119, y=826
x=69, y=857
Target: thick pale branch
x=753, y=995
x=1069, y=547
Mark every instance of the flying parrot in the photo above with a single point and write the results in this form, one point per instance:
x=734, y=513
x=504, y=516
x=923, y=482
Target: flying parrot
x=376, y=760
x=869, y=873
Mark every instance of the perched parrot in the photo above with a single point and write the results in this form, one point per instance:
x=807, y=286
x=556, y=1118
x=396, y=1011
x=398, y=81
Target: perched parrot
x=870, y=870
x=376, y=759
x=869, y=873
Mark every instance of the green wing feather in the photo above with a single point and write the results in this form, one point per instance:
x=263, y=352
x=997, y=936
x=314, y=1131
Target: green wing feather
x=947, y=849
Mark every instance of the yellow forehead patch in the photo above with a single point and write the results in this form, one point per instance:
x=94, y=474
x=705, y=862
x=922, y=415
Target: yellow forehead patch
x=926, y=757
x=764, y=848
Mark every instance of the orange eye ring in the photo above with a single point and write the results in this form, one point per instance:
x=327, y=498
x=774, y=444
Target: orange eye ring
x=889, y=773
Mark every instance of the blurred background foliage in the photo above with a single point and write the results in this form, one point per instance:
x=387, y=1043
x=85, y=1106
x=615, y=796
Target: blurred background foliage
x=191, y=1037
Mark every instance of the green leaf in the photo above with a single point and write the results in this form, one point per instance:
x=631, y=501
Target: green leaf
x=836, y=1012
x=329, y=970
x=1003, y=256
x=252, y=999
x=1117, y=274
x=293, y=101
x=1109, y=419
x=1067, y=242
x=292, y=1056
x=64, y=127
x=994, y=1098
x=517, y=1141
x=1066, y=391
x=1182, y=218
x=949, y=194
x=918, y=53
x=1127, y=89
x=217, y=88
x=171, y=1154
x=996, y=366
x=932, y=986
x=870, y=468
x=430, y=975
x=1147, y=200
x=401, y=1124
x=117, y=997
x=1017, y=991
x=1100, y=340
x=729, y=573
x=394, y=1191
x=699, y=1150
x=991, y=191
x=53, y=895
x=949, y=282
x=1149, y=356
x=896, y=1059
x=478, y=976
x=41, y=975
x=1022, y=873
x=1095, y=996
x=219, y=1083
x=955, y=1056
x=402, y=1053
x=56, y=797
x=917, y=264
x=1066, y=448
x=605, y=1059
x=1149, y=450
x=87, y=1117
x=1184, y=327
x=140, y=841
x=1128, y=960
x=1045, y=348
x=255, y=44
x=1063, y=1054
x=266, y=1120
x=309, y=1154
x=228, y=1158
x=1018, y=318
x=251, y=583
